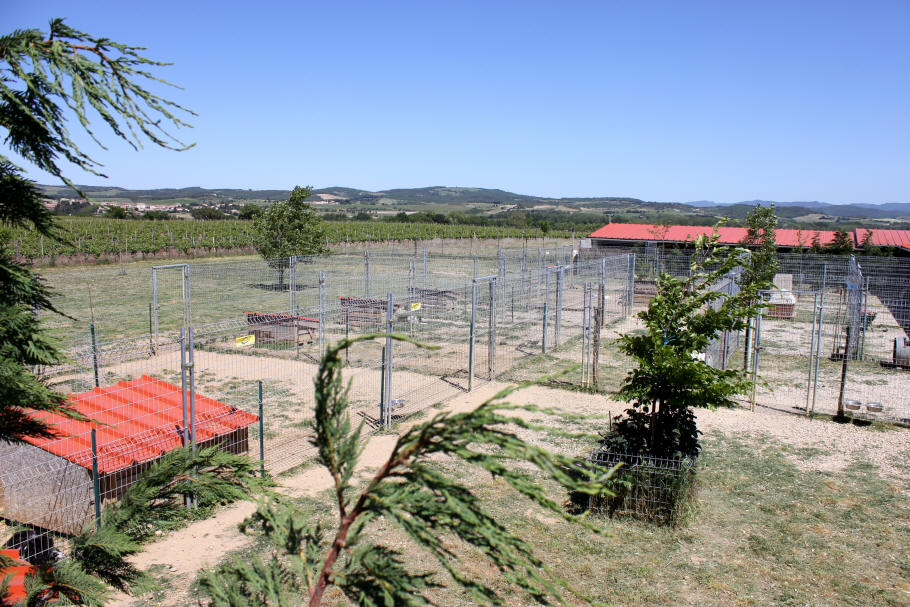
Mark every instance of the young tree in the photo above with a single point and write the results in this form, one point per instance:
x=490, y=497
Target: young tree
x=44, y=77
x=671, y=377
x=761, y=237
x=816, y=245
x=288, y=228
x=840, y=244
x=869, y=246
x=411, y=490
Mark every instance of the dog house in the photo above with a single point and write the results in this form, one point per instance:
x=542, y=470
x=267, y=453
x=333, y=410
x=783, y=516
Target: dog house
x=47, y=482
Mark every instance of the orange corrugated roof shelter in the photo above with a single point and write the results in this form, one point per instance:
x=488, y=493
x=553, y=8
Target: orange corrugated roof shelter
x=48, y=483
x=633, y=232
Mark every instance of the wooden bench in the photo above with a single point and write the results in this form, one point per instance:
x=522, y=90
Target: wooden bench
x=287, y=328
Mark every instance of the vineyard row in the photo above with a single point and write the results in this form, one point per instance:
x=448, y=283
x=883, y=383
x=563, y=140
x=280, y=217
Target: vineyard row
x=98, y=236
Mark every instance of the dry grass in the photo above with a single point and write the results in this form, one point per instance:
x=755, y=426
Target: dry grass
x=766, y=531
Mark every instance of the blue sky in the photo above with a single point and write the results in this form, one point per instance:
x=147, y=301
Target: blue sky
x=664, y=101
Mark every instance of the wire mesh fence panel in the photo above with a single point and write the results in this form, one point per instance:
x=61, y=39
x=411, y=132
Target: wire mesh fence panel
x=649, y=488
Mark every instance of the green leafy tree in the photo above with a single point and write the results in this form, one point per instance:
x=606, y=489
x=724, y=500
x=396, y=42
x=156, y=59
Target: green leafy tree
x=208, y=214
x=44, y=77
x=671, y=377
x=288, y=228
x=249, y=211
x=115, y=213
x=410, y=490
x=156, y=215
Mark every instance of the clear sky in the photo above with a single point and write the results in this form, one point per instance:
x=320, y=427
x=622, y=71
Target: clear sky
x=667, y=101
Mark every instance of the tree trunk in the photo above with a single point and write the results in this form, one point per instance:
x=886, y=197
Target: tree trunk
x=655, y=421
x=281, y=278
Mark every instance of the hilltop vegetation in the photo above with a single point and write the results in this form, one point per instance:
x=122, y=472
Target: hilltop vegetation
x=484, y=206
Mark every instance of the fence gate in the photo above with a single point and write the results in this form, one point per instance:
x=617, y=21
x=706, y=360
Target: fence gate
x=482, y=347
x=171, y=305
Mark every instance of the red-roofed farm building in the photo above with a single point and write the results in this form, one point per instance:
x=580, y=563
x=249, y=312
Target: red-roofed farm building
x=47, y=482
x=630, y=234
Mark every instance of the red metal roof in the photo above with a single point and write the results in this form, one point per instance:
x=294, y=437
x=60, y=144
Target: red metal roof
x=886, y=238
x=139, y=421
x=643, y=231
x=16, y=574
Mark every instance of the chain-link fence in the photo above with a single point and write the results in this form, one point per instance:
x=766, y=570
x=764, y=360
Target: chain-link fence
x=228, y=352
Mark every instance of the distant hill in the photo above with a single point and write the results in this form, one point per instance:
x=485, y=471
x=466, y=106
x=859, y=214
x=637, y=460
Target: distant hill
x=444, y=195
x=798, y=209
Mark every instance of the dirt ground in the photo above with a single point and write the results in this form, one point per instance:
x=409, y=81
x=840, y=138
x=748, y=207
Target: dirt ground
x=183, y=553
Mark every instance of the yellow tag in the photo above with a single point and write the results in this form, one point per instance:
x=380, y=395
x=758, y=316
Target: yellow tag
x=246, y=340
x=415, y=306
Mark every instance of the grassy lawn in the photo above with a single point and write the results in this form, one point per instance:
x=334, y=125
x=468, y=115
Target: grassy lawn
x=767, y=530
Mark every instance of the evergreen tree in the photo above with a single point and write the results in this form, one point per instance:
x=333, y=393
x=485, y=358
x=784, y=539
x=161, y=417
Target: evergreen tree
x=840, y=244
x=44, y=76
x=410, y=490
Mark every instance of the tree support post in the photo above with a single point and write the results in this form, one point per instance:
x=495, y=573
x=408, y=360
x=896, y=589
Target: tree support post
x=840, y=417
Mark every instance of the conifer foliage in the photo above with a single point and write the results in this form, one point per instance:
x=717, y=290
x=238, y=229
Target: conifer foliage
x=412, y=491
x=98, y=557
x=44, y=76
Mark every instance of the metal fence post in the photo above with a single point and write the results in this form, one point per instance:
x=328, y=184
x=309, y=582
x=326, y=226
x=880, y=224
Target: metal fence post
x=546, y=313
x=322, y=312
x=91, y=329
x=818, y=347
x=473, y=335
x=261, y=434
x=559, y=288
x=155, y=302
x=96, y=482
x=424, y=266
x=191, y=369
x=491, y=357
x=292, y=283
x=187, y=297
x=389, y=317
x=630, y=283
x=366, y=273
x=811, y=352
x=185, y=436
x=539, y=267
x=595, y=345
x=192, y=373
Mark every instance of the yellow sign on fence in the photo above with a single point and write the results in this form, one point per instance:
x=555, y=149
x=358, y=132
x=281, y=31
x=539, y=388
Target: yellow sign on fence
x=246, y=340
x=416, y=306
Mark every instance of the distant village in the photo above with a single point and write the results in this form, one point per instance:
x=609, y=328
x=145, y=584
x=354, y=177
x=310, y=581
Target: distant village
x=70, y=206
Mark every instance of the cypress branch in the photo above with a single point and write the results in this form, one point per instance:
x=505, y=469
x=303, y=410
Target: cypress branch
x=435, y=510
